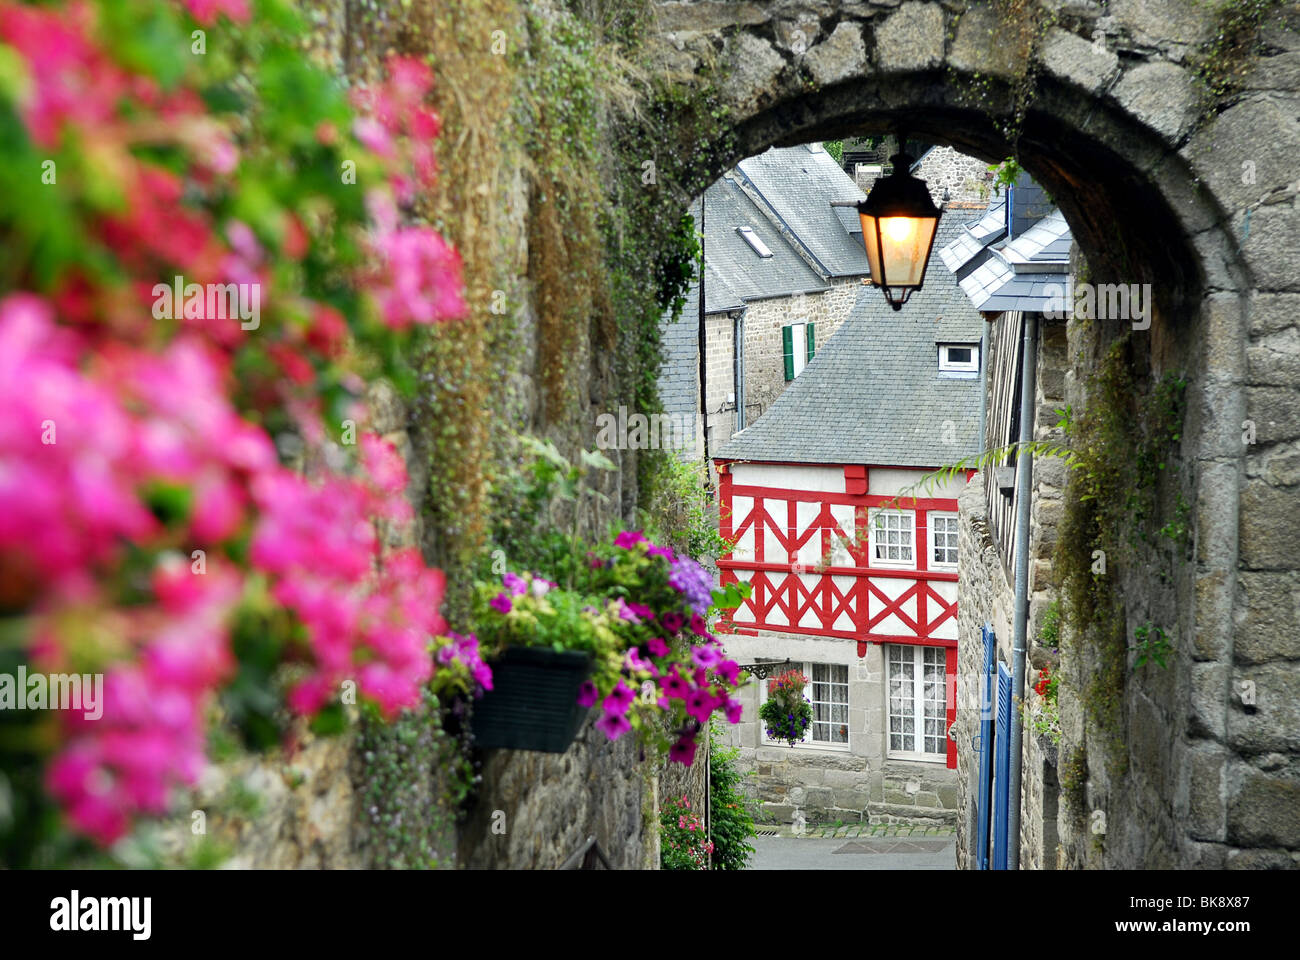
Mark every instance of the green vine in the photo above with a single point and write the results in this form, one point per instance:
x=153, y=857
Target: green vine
x=1121, y=453
x=1228, y=55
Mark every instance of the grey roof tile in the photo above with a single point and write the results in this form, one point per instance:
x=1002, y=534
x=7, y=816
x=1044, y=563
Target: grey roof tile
x=799, y=185
x=872, y=393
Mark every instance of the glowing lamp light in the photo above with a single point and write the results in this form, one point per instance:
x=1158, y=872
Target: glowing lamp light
x=899, y=221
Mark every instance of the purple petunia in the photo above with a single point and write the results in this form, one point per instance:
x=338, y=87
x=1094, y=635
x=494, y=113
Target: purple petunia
x=693, y=582
x=658, y=647
x=619, y=699
x=587, y=694
x=733, y=708
x=501, y=603
x=706, y=655
x=672, y=621
x=613, y=725
x=728, y=670
x=683, y=751
x=673, y=686
x=700, y=704
x=665, y=552
x=515, y=584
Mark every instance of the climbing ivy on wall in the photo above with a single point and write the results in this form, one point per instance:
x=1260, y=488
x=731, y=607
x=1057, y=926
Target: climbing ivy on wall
x=1122, y=449
x=1228, y=55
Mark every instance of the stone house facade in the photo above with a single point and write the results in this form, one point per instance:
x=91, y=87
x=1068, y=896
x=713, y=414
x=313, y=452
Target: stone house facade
x=852, y=567
x=783, y=254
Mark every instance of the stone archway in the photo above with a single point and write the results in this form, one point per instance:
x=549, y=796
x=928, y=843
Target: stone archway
x=1203, y=209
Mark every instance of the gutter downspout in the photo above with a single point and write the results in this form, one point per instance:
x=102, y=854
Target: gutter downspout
x=984, y=390
x=704, y=393
x=1024, y=474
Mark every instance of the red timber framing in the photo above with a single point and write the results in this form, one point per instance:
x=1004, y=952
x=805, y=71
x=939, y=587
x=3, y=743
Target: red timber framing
x=850, y=599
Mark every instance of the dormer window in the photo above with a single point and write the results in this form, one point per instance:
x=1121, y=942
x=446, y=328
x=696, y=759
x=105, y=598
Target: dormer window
x=751, y=238
x=959, y=359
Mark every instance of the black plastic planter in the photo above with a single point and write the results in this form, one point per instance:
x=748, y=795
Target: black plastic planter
x=533, y=703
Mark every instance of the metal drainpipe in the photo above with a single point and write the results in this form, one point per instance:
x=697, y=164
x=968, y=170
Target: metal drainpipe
x=984, y=389
x=704, y=358
x=1024, y=474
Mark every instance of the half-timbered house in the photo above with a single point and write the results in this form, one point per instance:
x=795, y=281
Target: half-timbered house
x=852, y=562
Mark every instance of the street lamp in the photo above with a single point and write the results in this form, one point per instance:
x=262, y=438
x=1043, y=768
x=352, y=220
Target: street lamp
x=899, y=221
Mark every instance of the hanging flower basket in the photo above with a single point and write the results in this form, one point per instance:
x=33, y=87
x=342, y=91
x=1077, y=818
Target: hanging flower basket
x=786, y=713
x=533, y=703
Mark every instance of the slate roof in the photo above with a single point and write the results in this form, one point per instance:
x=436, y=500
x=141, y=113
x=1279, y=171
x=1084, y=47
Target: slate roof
x=976, y=236
x=1019, y=273
x=798, y=185
x=730, y=259
x=872, y=393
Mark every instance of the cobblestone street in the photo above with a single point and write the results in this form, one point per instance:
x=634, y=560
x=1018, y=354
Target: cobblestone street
x=857, y=847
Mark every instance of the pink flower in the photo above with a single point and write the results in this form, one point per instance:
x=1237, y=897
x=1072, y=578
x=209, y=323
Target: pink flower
x=673, y=686
x=515, y=584
x=587, y=694
x=628, y=539
x=706, y=655
x=683, y=751
x=613, y=725
x=658, y=647
x=700, y=704
x=728, y=671
x=619, y=699
x=501, y=603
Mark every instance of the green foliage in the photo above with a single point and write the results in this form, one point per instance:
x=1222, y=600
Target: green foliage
x=1122, y=455
x=1049, y=628
x=1005, y=173
x=417, y=776
x=679, y=509
x=731, y=824
x=1229, y=53
x=836, y=149
x=683, y=844
x=1151, y=646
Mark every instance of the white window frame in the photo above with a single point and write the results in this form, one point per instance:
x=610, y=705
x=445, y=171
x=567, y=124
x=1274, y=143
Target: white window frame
x=798, y=346
x=931, y=517
x=808, y=743
x=872, y=559
x=755, y=242
x=917, y=653
x=966, y=368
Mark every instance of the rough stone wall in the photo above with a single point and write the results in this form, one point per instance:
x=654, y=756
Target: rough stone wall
x=1207, y=208
x=764, y=354
x=964, y=177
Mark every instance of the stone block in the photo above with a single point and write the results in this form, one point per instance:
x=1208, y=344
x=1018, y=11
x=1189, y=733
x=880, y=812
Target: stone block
x=1270, y=527
x=1089, y=66
x=983, y=45
x=839, y=56
x=1206, y=811
x=1274, y=724
x=1268, y=617
x=1274, y=233
x=1161, y=96
x=911, y=38
x=1264, y=810
x=1275, y=412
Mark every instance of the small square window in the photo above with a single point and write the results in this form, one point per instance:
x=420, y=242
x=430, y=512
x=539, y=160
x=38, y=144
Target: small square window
x=959, y=359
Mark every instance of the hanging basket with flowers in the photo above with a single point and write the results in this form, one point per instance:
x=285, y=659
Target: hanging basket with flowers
x=786, y=713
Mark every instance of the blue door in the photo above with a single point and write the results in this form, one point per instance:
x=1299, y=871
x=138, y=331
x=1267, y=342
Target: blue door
x=1002, y=769
x=983, y=799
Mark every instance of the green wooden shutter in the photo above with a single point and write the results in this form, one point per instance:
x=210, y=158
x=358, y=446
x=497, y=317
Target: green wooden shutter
x=812, y=341
x=787, y=346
